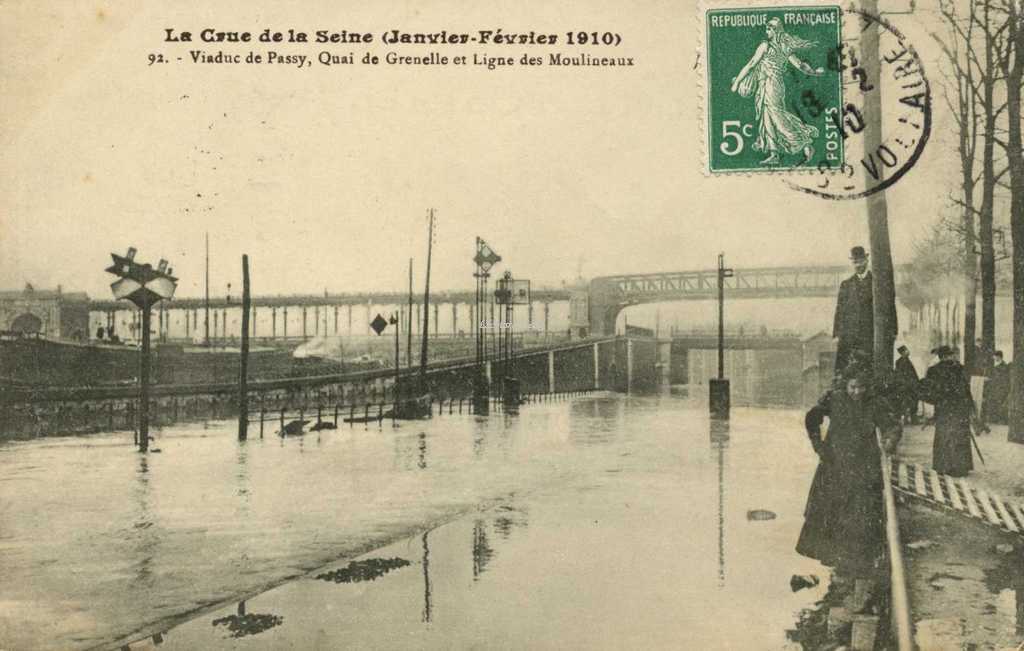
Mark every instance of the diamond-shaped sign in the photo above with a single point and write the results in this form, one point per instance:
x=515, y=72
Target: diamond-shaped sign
x=378, y=324
x=486, y=257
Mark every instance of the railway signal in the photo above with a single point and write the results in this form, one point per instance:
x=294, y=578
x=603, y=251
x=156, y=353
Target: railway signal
x=145, y=287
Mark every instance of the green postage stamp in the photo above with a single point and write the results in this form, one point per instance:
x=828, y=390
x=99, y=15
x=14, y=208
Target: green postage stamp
x=774, y=88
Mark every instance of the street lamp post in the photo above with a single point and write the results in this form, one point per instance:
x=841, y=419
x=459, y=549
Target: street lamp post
x=484, y=259
x=509, y=293
x=145, y=287
x=718, y=388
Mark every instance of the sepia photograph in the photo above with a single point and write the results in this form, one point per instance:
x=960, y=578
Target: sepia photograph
x=428, y=324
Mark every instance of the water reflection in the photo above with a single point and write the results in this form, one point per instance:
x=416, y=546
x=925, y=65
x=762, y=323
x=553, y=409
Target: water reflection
x=144, y=540
x=426, y=578
x=411, y=451
x=719, y=437
x=243, y=624
x=482, y=551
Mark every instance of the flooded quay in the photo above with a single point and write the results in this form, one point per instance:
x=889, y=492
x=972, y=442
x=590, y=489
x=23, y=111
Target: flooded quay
x=603, y=521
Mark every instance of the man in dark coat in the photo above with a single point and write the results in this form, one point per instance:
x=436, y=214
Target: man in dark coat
x=906, y=381
x=854, y=319
x=843, y=520
x=997, y=390
x=945, y=385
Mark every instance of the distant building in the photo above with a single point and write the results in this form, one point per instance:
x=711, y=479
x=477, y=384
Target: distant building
x=51, y=313
x=579, y=310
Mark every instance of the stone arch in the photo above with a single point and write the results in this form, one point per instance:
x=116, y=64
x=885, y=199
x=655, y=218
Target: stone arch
x=27, y=323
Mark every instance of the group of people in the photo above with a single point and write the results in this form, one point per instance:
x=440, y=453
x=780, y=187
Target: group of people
x=844, y=523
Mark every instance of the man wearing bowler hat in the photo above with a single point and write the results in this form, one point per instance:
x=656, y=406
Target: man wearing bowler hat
x=854, y=320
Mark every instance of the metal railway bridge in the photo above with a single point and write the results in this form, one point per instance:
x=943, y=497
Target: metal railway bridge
x=593, y=307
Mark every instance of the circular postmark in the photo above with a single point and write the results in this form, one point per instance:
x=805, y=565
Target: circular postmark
x=885, y=117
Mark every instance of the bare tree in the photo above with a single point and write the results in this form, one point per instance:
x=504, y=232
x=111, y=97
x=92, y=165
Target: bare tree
x=1012, y=64
x=961, y=92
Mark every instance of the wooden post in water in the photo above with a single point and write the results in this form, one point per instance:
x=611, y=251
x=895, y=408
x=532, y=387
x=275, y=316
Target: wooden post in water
x=144, y=380
x=243, y=372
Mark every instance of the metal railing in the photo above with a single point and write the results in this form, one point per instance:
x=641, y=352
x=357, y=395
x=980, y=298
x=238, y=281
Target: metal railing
x=902, y=625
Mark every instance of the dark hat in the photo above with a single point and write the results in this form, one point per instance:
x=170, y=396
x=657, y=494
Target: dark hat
x=942, y=351
x=902, y=349
x=858, y=253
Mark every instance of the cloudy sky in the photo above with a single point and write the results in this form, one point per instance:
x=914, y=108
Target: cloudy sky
x=324, y=175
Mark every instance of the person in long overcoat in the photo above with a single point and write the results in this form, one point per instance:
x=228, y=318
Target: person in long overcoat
x=854, y=322
x=906, y=381
x=844, y=518
x=997, y=390
x=945, y=385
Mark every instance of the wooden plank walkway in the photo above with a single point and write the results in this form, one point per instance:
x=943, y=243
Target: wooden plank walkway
x=922, y=483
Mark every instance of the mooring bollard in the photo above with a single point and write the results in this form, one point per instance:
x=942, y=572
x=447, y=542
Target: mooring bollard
x=335, y=414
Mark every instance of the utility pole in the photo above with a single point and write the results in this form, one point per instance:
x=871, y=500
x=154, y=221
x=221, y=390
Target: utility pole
x=426, y=309
x=408, y=322
x=243, y=373
x=883, y=284
x=206, y=301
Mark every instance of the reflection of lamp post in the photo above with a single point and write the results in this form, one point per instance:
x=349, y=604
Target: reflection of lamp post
x=145, y=287
x=719, y=442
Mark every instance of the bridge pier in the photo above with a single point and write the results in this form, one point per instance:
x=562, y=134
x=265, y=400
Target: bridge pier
x=335, y=320
x=629, y=366
x=547, y=316
x=455, y=319
x=597, y=367
x=349, y=318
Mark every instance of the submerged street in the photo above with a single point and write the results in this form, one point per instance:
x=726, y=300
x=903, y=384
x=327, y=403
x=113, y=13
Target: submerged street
x=604, y=521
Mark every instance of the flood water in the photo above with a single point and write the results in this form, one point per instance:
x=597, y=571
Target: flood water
x=604, y=521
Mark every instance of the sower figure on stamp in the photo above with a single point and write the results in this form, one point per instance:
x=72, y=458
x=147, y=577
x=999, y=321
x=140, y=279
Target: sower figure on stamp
x=778, y=130
x=854, y=323
x=843, y=521
x=945, y=386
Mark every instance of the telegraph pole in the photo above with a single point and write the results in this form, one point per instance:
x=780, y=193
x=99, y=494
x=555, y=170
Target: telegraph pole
x=206, y=301
x=883, y=284
x=243, y=373
x=408, y=322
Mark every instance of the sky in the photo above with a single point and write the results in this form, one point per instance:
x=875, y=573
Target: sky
x=324, y=175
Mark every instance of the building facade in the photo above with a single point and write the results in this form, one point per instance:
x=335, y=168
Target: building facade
x=54, y=314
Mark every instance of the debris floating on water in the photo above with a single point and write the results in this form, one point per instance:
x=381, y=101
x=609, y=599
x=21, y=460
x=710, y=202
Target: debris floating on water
x=368, y=570
x=799, y=582
x=760, y=514
x=249, y=624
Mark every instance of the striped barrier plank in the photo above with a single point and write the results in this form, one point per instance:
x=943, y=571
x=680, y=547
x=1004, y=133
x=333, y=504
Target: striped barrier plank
x=957, y=494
